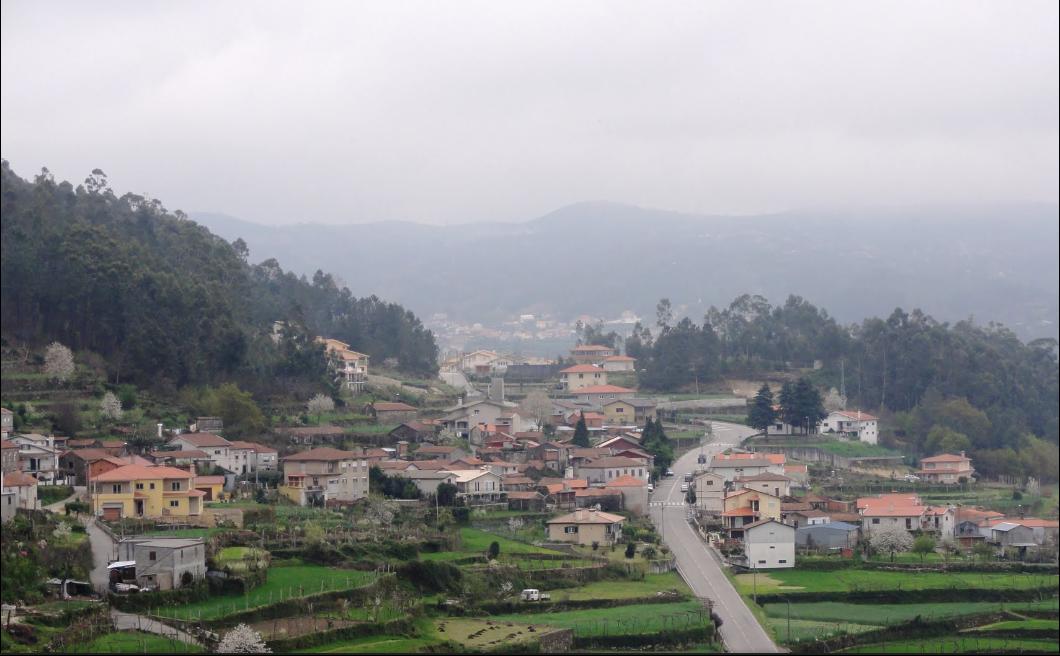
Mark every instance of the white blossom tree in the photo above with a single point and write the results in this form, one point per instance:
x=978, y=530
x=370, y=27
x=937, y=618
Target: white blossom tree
x=834, y=401
x=891, y=539
x=110, y=407
x=58, y=362
x=537, y=406
x=242, y=640
x=320, y=404
x=62, y=531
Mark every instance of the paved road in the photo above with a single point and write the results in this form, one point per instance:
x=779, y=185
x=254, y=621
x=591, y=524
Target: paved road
x=739, y=629
x=60, y=506
x=103, y=552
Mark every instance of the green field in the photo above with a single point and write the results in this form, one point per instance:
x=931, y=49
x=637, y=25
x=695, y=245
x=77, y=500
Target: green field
x=133, y=642
x=1020, y=625
x=284, y=583
x=625, y=589
x=475, y=541
x=804, y=629
x=839, y=613
x=796, y=580
x=371, y=645
x=620, y=620
x=956, y=645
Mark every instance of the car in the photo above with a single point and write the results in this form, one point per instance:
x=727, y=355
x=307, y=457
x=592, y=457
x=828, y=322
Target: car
x=702, y=459
x=689, y=476
x=669, y=472
x=684, y=487
x=912, y=478
x=651, y=488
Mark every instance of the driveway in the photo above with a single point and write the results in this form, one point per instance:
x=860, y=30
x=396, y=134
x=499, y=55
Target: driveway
x=103, y=552
x=739, y=630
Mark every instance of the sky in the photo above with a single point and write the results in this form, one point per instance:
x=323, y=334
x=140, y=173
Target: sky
x=442, y=113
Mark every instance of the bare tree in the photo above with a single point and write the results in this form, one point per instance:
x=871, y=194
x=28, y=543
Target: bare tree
x=110, y=407
x=537, y=406
x=58, y=362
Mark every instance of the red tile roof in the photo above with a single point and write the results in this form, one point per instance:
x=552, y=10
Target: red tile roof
x=582, y=369
x=626, y=481
x=945, y=457
x=141, y=472
x=323, y=453
x=203, y=439
x=18, y=479
x=603, y=389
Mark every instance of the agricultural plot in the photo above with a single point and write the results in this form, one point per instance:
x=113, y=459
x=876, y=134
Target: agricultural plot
x=957, y=645
x=622, y=620
x=372, y=645
x=840, y=614
x=284, y=583
x=652, y=584
x=796, y=580
x=133, y=642
x=486, y=633
x=238, y=559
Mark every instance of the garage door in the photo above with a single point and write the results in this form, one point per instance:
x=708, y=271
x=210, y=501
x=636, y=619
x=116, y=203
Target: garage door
x=112, y=513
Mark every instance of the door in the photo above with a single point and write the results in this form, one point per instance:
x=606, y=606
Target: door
x=112, y=513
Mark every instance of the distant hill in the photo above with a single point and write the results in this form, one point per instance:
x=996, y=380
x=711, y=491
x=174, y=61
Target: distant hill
x=993, y=263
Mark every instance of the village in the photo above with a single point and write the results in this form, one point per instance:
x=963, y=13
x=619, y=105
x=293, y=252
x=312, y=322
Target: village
x=515, y=503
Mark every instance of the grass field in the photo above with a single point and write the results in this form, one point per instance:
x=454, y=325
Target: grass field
x=235, y=558
x=625, y=589
x=475, y=541
x=186, y=532
x=803, y=629
x=956, y=645
x=620, y=620
x=133, y=642
x=795, y=580
x=1020, y=625
x=485, y=634
x=837, y=612
x=284, y=583
x=372, y=645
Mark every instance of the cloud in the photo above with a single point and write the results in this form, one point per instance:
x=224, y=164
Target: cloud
x=348, y=112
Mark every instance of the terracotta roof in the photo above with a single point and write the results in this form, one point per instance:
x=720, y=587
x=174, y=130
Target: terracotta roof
x=582, y=369
x=516, y=480
x=945, y=457
x=603, y=389
x=893, y=511
x=392, y=406
x=260, y=448
x=524, y=495
x=194, y=454
x=202, y=439
x=323, y=453
x=626, y=481
x=112, y=444
x=89, y=455
x=595, y=492
x=739, y=512
x=892, y=499
x=575, y=483
x=856, y=415
x=430, y=464
x=588, y=517
x=417, y=426
x=554, y=488
x=794, y=506
x=18, y=479
x=397, y=465
x=430, y=448
x=1034, y=522
x=141, y=472
x=766, y=476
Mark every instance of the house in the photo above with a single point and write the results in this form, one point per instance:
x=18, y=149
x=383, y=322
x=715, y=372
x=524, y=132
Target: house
x=600, y=394
x=855, y=423
x=390, y=412
x=9, y=455
x=261, y=457
x=217, y=448
x=463, y=417
x=37, y=456
x=798, y=473
x=24, y=488
x=212, y=487
x=478, y=486
x=947, y=468
x=634, y=493
x=747, y=506
x=801, y=518
x=145, y=491
x=79, y=466
x=586, y=527
x=161, y=563
x=314, y=435
x=940, y=520
x=440, y=452
x=478, y=362
x=516, y=483
x=214, y=425
x=426, y=481
x=830, y=535
x=7, y=422
x=582, y=375
x=526, y=500
x=1011, y=534
x=619, y=363
x=710, y=491
x=608, y=468
x=323, y=475
x=1046, y=531
x=768, y=544
x=730, y=470
x=591, y=353
x=776, y=484
x=599, y=498
x=629, y=411
x=413, y=432
x=904, y=510
x=349, y=367
x=621, y=442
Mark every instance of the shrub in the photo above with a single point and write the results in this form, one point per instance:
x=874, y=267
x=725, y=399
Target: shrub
x=631, y=550
x=431, y=576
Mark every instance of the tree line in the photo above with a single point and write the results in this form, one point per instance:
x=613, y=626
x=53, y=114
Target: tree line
x=169, y=304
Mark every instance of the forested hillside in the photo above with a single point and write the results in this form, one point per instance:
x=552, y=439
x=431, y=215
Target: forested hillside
x=167, y=303
x=943, y=386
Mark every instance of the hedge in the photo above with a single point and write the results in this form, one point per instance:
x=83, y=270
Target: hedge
x=913, y=630
x=986, y=568
x=910, y=596
x=637, y=640
x=512, y=607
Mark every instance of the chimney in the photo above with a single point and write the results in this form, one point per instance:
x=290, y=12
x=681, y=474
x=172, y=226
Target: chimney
x=962, y=454
x=460, y=404
x=160, y=430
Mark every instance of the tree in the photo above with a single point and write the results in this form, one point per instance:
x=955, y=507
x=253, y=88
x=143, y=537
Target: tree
x=320, y=404
x=982, y=551
x=631, y=550
x=110, y=407
x=761, y=414
x=834, y=401
x=537, y=406
x=494, y=550
x=923, y=545
x=941, y=439
x=891, y=539
x=446, y=494
x=58, y=362
x=581, y=433
x=242, y=640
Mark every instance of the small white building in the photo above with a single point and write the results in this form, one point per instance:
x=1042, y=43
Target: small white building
x=710, y=491
x=852, y=422
x=768, y=544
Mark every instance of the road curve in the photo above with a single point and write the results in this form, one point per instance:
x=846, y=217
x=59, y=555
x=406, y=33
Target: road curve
x=740, y=631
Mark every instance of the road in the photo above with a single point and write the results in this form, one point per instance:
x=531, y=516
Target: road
x=103, y=552
x=740, y=631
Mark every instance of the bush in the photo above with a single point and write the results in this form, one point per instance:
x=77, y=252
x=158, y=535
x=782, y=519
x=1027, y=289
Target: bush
x=495, y=550
x=631, y=550
x=431, y=576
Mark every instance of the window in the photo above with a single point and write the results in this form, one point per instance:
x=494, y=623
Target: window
x=139, y=486
x=151, y=486
x=710, y=481
x=570, y=529
x=217, y=452
x=174, y=503
x=782, y=562
x=761, y=562
x=620, y=409
x=152, y=555
x=175, y=486
x=116, y=489
x=875, y=520
x=908, y=523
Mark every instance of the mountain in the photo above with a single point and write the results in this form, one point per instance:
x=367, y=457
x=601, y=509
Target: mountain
x=992, y=263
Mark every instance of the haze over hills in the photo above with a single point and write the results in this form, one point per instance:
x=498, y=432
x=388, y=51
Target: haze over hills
x=992, y=263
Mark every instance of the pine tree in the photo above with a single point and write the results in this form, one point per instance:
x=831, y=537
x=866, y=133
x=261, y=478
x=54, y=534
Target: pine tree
x=581, y=433
x=789, y=407
x=809, y=403
x=761, y=414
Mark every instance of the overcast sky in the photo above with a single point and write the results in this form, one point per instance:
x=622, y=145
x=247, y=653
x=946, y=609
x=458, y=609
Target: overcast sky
x=453, y=112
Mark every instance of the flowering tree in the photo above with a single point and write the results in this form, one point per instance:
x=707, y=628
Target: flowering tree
x=891, y=539
x=834, y=401
x=320, y=404
x=58, y=362
x=110, y=407
x=242, y=640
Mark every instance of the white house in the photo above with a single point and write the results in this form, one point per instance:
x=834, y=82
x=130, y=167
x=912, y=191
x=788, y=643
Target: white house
x=852, y=422
x=37, y=456
x=730, y=470
x=776, y=484
x=768, y=544
x=710, y=491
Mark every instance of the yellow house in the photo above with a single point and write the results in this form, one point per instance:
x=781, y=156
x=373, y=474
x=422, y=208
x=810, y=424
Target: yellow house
x=212, y=486
x=146, y=491
x=582, y=375
x=747, y=506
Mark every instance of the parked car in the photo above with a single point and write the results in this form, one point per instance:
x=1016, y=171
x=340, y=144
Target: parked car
x=669, y=472
x=651, y=488
x=684, y=487
x=702, y=459
x=688, y=477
